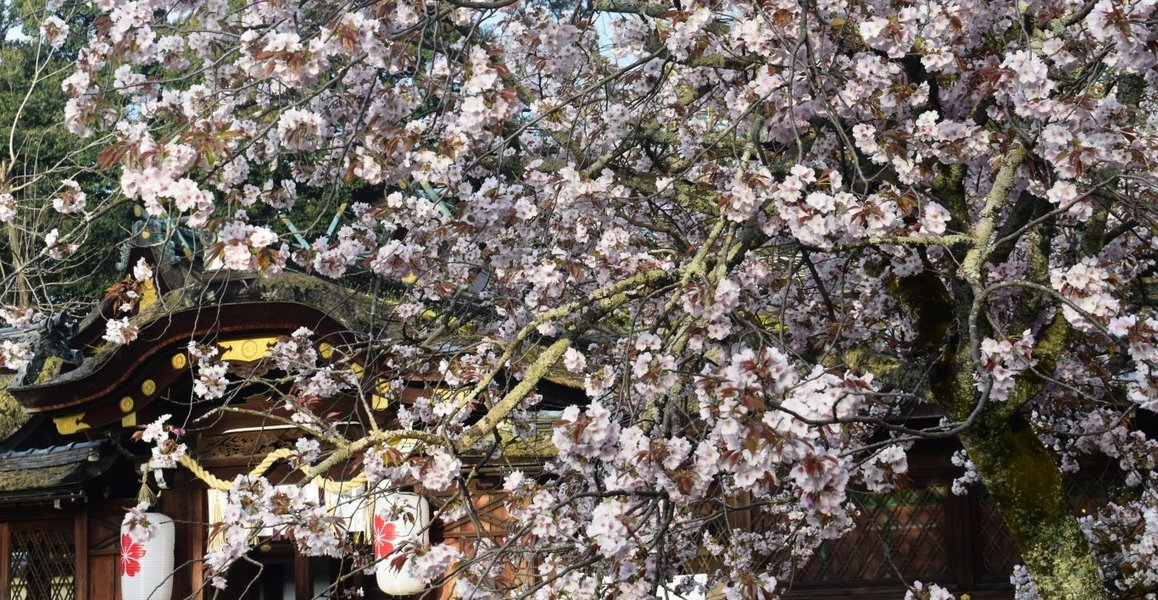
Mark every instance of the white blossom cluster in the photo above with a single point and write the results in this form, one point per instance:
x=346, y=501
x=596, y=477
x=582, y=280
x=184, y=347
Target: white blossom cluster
x=755, y=236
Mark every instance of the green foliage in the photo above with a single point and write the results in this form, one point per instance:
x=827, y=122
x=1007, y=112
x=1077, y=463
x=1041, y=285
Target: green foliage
x=36, y=153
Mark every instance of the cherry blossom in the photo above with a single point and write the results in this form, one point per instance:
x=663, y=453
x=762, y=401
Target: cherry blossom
x=930, y=591
x=607, y=529
x=1004, y=360
x=7, y=207
x=120, y=331
x=71, y=199
x=54, y=31
x=754, y=239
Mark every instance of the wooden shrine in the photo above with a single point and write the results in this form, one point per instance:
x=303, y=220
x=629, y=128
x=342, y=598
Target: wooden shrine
x=69, y=467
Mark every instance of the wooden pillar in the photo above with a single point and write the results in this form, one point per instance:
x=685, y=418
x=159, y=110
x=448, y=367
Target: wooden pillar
x=303, y=577
x=80, y=553
x=5, y=561
x=961, y=534
x=197, y=500
x=183, y=503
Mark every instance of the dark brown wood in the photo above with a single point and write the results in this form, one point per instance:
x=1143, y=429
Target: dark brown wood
x=5, y=552
x=104, y=576
x=167, y=336
x=303, y=577
x=176, y=503
x=961, y=549
x=197, y=535
x=103, y=524
x=80, y=546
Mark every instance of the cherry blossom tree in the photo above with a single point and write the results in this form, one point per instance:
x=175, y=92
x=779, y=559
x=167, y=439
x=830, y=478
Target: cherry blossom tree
x=756, y=233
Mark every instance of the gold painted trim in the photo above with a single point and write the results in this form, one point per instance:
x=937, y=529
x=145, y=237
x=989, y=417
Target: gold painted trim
x=379, y=399
x=70, y=424
x=247, y=350
x=148, y=293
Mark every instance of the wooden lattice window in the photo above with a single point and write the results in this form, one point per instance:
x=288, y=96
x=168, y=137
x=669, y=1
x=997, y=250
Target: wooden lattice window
x=902, y=533
x=41, y=564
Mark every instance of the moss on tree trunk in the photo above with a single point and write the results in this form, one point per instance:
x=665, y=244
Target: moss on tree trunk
x=1026, y=485
x=1020, y=473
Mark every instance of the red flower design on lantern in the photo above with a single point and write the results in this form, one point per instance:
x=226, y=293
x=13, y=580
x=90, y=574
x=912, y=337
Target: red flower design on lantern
x=131, y=555
x=384, y=535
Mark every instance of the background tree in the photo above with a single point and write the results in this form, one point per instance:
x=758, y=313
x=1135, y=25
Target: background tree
x=47, y=177
x=760, y=233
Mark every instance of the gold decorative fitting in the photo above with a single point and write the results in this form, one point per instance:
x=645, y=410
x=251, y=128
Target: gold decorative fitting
x=69, y=424
x=126, y=404
x=326, y=350
x=379, y=399
x=178, y=361
x=247, y=350
x=148, y=386
x=129, y=420
x=148, y=293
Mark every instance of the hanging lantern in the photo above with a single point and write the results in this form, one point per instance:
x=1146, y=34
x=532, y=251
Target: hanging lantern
x=147, y=567
x=400, y=518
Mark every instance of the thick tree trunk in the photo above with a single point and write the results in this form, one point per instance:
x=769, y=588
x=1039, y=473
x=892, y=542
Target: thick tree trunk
x=1019, y=472
x=1026, y=485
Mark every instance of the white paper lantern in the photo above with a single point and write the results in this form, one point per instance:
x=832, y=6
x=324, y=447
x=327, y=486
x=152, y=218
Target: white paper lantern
x=147, y=567
x=399, y=518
